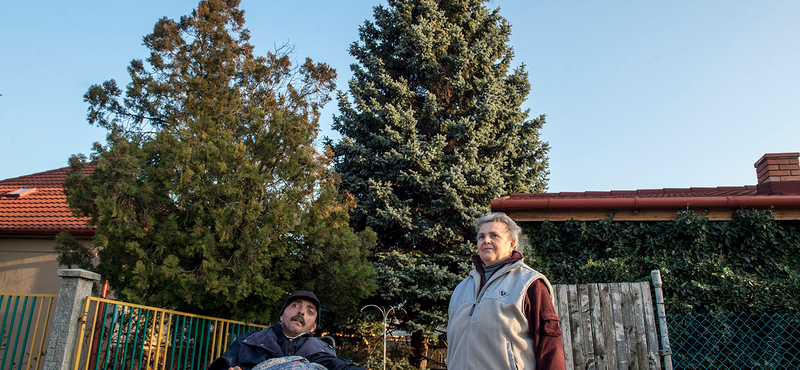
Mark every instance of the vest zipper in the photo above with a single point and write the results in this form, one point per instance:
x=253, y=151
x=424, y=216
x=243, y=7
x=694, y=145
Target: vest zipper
x=483, y=291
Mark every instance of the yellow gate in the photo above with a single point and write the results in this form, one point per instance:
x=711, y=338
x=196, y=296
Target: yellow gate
x=24, y=330
x=118, y=335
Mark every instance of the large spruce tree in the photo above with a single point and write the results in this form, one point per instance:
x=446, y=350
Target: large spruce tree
x=209, y=195
x=432, y=131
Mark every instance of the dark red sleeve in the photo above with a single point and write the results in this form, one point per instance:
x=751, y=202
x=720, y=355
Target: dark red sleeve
x=544, y=327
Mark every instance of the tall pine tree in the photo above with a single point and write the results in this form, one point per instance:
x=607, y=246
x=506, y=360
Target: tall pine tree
x=431, y=132
x=209, y=195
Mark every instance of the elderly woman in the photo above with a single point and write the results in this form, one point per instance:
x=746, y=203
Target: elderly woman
x=502, y=316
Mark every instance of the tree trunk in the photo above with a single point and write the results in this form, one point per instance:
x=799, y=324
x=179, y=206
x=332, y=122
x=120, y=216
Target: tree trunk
x=419, y=350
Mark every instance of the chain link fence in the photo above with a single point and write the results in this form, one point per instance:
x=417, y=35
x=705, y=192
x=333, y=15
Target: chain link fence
x=735, y=341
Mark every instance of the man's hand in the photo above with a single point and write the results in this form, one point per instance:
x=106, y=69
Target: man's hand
x=235, y=368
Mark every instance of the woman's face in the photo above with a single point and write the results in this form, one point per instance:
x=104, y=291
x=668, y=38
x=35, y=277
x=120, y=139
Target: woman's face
x=494, y=242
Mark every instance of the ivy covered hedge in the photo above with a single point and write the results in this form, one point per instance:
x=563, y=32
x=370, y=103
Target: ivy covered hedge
x=748, y=264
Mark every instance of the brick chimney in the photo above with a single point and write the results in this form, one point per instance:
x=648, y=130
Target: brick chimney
x=778, y=173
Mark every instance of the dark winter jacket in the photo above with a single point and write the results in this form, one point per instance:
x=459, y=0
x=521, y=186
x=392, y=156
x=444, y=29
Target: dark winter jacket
x=255, y=347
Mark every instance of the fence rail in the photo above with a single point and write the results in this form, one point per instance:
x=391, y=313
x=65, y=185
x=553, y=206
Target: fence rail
x=735, y=341
x=24, y=330
x=121, y=335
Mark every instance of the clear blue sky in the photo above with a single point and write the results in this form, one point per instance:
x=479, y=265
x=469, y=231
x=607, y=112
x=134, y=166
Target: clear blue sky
x=638, y=94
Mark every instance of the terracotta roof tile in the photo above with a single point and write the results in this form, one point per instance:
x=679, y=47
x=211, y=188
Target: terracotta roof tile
x=43, y=211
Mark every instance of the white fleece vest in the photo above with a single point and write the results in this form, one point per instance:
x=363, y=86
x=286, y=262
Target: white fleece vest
x=488, y=329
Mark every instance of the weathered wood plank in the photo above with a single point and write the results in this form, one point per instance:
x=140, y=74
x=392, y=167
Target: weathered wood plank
x=608, y=326
x=597, y=328
x=630, y=326
x=578, y=353
x=620, y=343
x=586, y=326
x=640, y=337
x=562, y=300
x=555, y=300
x=651, y=330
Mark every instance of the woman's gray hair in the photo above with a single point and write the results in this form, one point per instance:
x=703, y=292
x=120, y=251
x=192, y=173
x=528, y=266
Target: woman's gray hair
x=512, y=226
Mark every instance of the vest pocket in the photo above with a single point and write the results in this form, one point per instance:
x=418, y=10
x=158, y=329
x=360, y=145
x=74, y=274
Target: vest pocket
x=510, y=353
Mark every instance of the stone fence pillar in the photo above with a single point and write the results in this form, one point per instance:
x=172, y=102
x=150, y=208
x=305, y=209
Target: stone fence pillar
x=76, y=286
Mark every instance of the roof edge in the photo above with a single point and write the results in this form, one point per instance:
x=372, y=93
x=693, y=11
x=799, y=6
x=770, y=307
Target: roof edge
x=506, y=203
x=45, y=231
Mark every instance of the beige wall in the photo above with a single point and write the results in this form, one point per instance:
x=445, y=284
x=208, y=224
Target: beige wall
x=28, y=266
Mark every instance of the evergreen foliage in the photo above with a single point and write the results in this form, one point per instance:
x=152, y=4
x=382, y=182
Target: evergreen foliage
x=432, y=130
x=72, y=253
x=748, y=264
x=209, y=195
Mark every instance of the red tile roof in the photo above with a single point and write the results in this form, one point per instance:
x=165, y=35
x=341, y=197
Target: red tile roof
x=42, y=211
x=720, y=197
x=778, y=187
x=727, y=191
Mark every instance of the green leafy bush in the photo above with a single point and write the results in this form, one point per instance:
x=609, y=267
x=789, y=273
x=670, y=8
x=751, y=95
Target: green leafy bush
x=750, y=263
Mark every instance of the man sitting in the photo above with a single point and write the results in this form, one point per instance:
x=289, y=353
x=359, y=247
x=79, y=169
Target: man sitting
x=292, y=336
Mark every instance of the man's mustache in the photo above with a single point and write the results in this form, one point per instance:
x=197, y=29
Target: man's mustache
x=298, y=318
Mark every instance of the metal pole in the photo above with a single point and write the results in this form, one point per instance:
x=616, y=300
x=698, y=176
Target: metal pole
x=666, y=351
x=385, y=314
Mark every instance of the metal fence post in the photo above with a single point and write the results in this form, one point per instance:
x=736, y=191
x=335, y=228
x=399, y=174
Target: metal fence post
x=76, y=286
x=666, y=351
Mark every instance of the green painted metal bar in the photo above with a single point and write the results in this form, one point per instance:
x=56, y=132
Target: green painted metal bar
x=119, y=333
x=206, y=333
x=174, y=343
x=11, y=329
x=4, y=339
x=195, y=345
x=188, y=347
x=135, y=337
x=193, y=348
x=179, y=340
x=188, y=344
x=27, y=331
x=2, y=328
x=100, y=341
x=144, y=338
x=127, y=338
x=199, y=344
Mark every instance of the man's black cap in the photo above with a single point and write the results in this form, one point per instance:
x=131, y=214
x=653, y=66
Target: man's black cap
x=301, y=294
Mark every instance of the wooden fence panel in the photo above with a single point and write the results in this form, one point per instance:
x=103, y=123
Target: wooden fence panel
x=619, y=327
x=562, y=307
x=653, y=358
x=597, y=321
x=608, y=326
x=586, y=325
x=628, y=313
x=579, y=356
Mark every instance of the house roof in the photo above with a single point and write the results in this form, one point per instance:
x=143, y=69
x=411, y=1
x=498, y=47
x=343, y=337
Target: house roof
x=778, y=189
x=36, y=205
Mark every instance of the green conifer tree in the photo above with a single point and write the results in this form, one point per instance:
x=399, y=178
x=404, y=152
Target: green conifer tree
x=209, y=195
x=432, y=131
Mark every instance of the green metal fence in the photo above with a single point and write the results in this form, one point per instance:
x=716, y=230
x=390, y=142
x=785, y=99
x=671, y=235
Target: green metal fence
x=118, y=335
x=24, y=330
x=735, y=341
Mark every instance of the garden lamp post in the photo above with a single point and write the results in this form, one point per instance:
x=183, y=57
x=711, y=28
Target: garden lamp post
x=385, y=314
